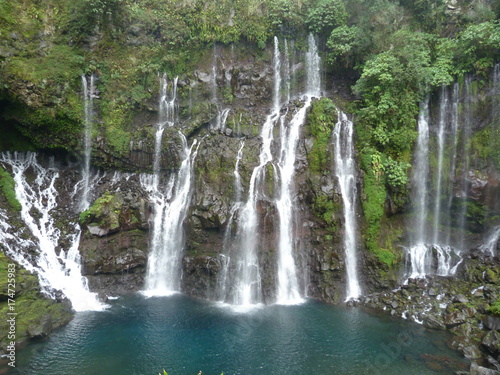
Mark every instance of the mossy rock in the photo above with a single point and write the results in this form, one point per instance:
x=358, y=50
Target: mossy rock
x=37, y=315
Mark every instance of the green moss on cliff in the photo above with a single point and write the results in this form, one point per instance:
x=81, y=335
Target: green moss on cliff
x=486, y=143
x=7, y=185
x=320, y=122
x=105, y=212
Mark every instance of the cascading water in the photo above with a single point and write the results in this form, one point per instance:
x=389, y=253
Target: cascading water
x=88, y=97
x=419, y=251
x=243, y=279
x=38, y=202
x=345, y=171
x=288, y=286
x=313, y=66
x=228, y=244
x=221, y=116
x=244, y=271
x=288, y=291
x=170, y=209
x=491, y=242
x=433, y=249
x=170, y=203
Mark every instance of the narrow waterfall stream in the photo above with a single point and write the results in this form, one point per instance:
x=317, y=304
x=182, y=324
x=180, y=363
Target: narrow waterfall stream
x=57, y=269
x=345, y=171
x=418, y=251
x=170, y=202
x=88, y=97
x=167, y=243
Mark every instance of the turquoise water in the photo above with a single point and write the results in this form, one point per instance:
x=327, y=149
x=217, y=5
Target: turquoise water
x=142, y=336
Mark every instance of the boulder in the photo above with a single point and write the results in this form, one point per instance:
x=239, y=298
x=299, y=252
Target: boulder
x=475, y=369
x=491, y=342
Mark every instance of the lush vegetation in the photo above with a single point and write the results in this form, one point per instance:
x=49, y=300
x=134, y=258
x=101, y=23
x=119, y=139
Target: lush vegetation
x=394, y=51
x=7, y=186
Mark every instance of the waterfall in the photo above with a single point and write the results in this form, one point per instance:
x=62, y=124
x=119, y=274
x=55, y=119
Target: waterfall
x=57, y=269
x=313, y=66
x=287, y=72
x=166, y=106
x=170, y=208
x=228, y=244
x=238, y=187
x=433, y=249
x=241, y=270
x=491, y=242
x=245, y=278
x=419, y=251
x=88, y=97
x=441, y=138
x=345, y=171
x=221, y=116
x=288, y=286
x=170, y=204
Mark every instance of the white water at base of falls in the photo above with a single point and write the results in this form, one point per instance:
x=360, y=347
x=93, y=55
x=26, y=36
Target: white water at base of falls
x=345, y=171
x=38, y=200
x=170, y=205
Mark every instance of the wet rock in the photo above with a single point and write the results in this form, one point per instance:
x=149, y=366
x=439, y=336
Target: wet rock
x=460, y=299
x=472, y=352
x=455, y=318
x=475, y=369
x=434, y=321
x=491, y=342
x=492, y=322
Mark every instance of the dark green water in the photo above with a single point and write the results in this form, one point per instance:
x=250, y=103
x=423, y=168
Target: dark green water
x=142, y=336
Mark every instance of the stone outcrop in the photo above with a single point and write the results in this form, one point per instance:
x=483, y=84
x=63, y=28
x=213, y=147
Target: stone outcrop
x=115, y=238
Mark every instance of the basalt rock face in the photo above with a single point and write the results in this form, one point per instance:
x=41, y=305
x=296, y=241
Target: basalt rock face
x=114, y=241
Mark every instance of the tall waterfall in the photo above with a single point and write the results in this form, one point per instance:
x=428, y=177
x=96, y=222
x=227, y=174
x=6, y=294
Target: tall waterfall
x=170, y=209
x=345, y=171
x=88, y=97
x=288, y=291
x=313, y=66
x=242, y=274
x=39, y=202
x=245, y=278
x=170, y=202
x=419, y=251
x=433, y=248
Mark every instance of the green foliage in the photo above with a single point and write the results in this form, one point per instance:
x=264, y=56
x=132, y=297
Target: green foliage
x=495, y=308
x=101, y=211
x=396, y=173
x=477, y=46
x=326, y=15
x=7, y=185
x=325, y=208
x=385, y=256
x=341, y=42
x=486, y=143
